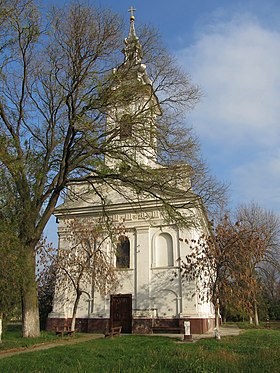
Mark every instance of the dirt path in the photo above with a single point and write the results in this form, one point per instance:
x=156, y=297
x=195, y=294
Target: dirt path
x=224, y=331
x=48, y=345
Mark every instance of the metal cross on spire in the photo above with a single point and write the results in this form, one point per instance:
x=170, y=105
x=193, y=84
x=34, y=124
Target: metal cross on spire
x=131, y=11
x=133, y=49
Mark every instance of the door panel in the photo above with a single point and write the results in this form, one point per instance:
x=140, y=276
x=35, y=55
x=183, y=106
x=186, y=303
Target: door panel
x=121, y=311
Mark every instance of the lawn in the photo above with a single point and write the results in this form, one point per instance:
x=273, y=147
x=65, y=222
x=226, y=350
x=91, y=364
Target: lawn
x=12, y=339
x=252, y=351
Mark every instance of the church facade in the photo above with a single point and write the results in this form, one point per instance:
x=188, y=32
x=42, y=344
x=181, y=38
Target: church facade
x=151, y=295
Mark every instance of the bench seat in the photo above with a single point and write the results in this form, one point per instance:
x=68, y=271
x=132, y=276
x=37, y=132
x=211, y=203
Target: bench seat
x=114, y=331
x=65, y=330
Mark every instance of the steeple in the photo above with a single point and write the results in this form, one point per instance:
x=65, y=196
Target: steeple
x=133, y=54
x=135, y=107
x=133, y=49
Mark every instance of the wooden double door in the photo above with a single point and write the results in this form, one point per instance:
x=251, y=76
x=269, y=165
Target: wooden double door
x=121, y=311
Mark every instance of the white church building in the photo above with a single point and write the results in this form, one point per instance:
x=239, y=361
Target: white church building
x=151, y=296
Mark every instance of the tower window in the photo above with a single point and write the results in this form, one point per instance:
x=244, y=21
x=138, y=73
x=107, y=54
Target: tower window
x=125, y=127
x=123, y=252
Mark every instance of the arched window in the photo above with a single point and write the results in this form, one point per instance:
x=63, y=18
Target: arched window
x=164, y=250
x=125, y=127
x=123, y=252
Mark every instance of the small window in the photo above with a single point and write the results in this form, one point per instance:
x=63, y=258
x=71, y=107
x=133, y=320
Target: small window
x=125, y=127
x=123, y=252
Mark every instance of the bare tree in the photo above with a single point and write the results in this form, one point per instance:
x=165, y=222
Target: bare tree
x=270, y=281
x=211, y=263
x=266, y=258
x=46, y=278
x=252, y=215
x=224, y=265
x=58, y=90
x=85, y=260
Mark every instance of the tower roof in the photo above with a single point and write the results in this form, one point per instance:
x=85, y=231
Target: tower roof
x=133, y=49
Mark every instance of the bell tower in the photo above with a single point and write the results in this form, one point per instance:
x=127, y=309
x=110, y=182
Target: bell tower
x=132, y=117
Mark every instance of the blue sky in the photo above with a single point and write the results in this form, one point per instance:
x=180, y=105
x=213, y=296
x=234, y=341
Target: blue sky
x=231, y=49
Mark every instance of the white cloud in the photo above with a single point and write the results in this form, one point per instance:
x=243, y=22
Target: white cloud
x=237, y=64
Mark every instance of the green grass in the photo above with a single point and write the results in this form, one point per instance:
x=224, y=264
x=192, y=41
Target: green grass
x=12, y=338
x=275, y=325
x=252, y=351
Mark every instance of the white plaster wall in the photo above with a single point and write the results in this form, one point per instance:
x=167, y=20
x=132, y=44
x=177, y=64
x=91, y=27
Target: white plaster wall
x=142, y=269
x=151, y=285
x=192, y=304
x=165, y=293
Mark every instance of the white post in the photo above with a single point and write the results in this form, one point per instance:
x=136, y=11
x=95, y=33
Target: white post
x=187, y=336
x=217, y=333
x=187, y=326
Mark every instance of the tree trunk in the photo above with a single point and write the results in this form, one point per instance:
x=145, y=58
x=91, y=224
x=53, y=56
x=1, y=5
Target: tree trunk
x=217, y=320
x=217, y=315
x=256, y=316
x=1, y=327
x=74, y=313
x=29, y=298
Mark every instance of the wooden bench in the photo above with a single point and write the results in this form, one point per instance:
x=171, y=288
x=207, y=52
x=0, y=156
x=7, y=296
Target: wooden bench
x=64, y=330
x=114, y=331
